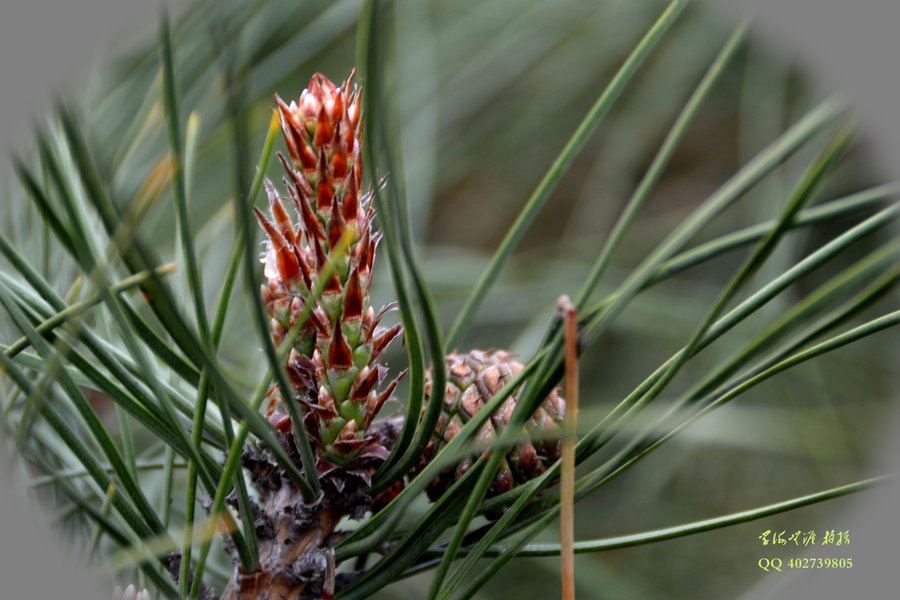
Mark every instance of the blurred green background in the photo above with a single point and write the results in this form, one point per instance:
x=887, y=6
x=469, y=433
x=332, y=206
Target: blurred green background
x=486, y=94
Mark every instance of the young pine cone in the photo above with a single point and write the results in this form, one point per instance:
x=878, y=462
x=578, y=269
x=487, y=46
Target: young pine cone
x=321, y=236
x=472, y=380
x=334, y=363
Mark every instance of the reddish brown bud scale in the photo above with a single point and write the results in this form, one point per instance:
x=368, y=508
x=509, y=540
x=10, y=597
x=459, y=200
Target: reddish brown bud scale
x=364, y=384
x=340, y=355
x=380, y=342
x=287, y=264
x=306, y=156
x=311, y=225
x=320, y=320
x=361, y=252
x=268, y=299
x=304, y=268
x=370, y=254
x=351, y=206
x=371, y=320
x=336, y=109
x=357, y=163
x=353, y=297
x=319, y=253
x=323, y=129
x=281, y=218
x=326, y=401
x=372, y=408
x=334, y=285
x=292, y=137
x=336, y=224
x=278, y=331
x=301, y=185
x=324, y=188
x=339, y=165
x=353, y=112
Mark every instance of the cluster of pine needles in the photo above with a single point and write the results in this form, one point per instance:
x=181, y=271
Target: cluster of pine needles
x=131, y=372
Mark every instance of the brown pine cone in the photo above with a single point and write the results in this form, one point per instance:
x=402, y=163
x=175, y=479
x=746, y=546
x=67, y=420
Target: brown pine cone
x=472, y=380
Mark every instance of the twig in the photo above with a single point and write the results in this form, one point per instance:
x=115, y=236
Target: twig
x=567, y=480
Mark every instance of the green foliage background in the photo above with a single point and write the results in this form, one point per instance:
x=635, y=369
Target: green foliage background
x=478, y=99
